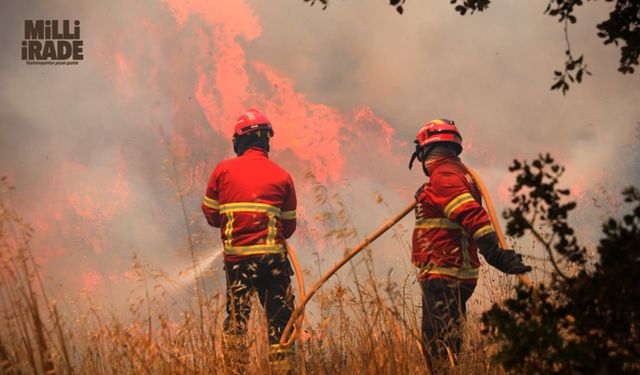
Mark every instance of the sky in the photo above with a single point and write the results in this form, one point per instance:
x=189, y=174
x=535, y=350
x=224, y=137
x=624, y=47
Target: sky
x=99, y=151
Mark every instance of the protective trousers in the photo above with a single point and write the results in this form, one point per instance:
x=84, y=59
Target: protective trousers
x=270, y=277
x=443, y=307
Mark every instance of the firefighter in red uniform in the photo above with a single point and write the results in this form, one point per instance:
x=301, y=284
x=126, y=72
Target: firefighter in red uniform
x=451, y=226
x=253, y=202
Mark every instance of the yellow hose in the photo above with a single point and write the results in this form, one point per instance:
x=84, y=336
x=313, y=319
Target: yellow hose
x=494, y=220
x=303, y=301
x=298, y=272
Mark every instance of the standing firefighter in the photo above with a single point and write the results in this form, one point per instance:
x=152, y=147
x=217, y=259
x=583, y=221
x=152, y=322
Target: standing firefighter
x=253, y=202
x=451, y=225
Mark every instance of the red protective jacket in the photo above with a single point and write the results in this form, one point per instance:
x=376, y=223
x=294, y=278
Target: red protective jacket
x=449, y=218
x=253, y=201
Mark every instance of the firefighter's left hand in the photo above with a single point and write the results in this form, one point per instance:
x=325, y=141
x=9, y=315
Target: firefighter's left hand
x=507, y=260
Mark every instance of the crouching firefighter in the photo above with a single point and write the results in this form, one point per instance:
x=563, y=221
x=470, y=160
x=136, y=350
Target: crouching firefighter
x=253, y=202
x=451, y=225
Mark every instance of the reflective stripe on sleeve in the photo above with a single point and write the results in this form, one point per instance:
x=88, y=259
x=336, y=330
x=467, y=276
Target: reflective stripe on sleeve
x=482, y=231
x=456, y=202
x=211, y=203
x=288, y=215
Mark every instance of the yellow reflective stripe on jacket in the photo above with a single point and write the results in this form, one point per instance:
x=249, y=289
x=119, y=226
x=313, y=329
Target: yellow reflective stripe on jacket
x=249, y=207
x=270, y=245
x=457, y=272
x=437, y=223
x=456, y=203
x=466, y=259
x=254, y=249
x=228, y=229
x=288, y=215
x=211, y=203
x=482, y=231
x=271, y=229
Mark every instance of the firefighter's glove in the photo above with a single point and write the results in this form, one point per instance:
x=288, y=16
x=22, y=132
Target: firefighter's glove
x=507, y=261
x=419, y=192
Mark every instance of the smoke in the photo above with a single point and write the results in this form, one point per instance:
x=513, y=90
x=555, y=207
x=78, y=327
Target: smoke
x=99, y=152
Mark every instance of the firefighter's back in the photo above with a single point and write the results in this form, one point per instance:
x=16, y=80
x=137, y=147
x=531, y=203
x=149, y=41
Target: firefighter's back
x=253, y=178
x=256, y=204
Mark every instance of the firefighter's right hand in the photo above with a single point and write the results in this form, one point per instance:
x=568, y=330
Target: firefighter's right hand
x=507, y=261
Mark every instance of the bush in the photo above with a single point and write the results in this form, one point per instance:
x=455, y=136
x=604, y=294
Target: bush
x=584, y=323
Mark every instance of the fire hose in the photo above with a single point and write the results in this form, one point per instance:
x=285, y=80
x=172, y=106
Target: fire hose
x=300, y=279
x=297, y=315
x=494, y=220
x=284, y=341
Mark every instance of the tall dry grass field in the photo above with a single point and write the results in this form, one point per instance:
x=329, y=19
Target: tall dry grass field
x=358, y=324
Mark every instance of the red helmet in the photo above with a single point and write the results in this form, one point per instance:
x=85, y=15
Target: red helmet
x=434, y=132
x=439, y=131
x=250, y=121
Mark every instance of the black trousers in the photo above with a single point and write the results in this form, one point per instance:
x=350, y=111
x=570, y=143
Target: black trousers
x=270, y=277
x=443, y=307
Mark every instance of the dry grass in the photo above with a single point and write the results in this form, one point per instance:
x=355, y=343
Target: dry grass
x=359, y=325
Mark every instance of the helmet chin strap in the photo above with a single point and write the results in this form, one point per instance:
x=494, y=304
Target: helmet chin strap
x=425, y=169
x=235, y=145
x=413, y=157
x=425, y=155
x=421, y=154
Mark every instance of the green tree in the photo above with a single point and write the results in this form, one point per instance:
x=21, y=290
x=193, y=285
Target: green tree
x=584, y=323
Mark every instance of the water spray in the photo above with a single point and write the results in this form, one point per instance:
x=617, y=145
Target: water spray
x=190, y=277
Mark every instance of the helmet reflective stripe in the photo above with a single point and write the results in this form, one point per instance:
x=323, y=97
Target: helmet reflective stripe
x=250, y=115
x=251, y=121
x=249, y=128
